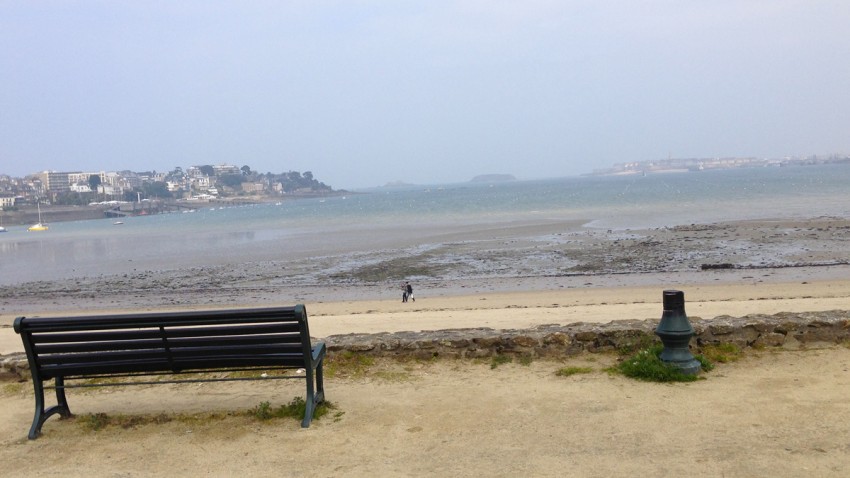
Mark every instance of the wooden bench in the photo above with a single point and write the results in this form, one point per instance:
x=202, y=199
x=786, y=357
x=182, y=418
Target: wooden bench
x=169, y=343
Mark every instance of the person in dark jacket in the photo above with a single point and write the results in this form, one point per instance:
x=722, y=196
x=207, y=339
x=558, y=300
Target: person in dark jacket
x=409, y=291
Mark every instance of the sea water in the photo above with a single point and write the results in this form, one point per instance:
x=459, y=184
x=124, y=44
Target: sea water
x=401, y=217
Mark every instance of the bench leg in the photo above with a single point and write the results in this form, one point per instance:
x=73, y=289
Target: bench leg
x=315, y=394
x=41, y=415
x=320, y=385
x=61, y=401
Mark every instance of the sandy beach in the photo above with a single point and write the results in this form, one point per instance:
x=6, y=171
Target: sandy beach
x=774, y=412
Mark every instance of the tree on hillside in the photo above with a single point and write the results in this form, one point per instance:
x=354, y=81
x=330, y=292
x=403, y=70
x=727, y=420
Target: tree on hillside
x=207, y=169
x=156, y=189
x=231, y=180
x=94, y=182
x=293, y=181
x=175, y=174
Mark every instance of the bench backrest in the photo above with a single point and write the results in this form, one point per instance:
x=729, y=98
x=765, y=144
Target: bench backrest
x=170, y=342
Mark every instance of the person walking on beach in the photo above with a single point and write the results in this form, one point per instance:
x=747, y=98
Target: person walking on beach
x=404, y=293
x=409, y=291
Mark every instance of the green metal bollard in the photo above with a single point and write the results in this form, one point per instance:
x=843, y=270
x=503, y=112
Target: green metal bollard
x=675, y=332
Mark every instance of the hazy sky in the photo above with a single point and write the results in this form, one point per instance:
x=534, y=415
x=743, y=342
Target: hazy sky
x=366, y=92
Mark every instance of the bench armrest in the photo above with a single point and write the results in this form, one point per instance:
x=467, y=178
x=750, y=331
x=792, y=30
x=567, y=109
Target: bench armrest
x=318, y=352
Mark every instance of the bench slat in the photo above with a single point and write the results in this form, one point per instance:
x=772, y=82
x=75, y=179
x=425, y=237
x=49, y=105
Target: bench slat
x=168, y=319
x=151, y=366
x=76, y=347
x=40, y=337
x=173, y=353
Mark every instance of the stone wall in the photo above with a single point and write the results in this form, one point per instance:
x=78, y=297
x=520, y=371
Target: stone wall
x=781, y=330
x=785, y=330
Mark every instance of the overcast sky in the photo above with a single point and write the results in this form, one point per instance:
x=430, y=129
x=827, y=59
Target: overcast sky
x=362, y=93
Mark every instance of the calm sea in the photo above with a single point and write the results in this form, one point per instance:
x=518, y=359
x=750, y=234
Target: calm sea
x=387, y=218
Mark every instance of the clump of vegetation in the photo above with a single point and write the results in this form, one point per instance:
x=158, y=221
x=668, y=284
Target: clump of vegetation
x=13, y=388
x=647, y=365
x=570, y=371
x=500, y=360
x=348, y=364
x=94, y=421
x=99, y=421
x=264, y=411
x=294, y=409
x=525, y=360
x=722, y=353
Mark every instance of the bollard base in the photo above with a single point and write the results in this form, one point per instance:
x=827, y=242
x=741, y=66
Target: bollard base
x=677, y=354
x=690, y=367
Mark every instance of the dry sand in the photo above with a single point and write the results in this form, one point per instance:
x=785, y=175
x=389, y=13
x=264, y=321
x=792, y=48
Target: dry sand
x=774, y=413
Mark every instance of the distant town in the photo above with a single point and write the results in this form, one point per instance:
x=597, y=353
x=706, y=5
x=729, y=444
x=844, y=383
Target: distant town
x=701, y=164
x=197, y=183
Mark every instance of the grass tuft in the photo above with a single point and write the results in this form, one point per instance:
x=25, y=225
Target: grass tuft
x=525, y=360
x=647, y=366
x=498, y=360
x=570, y=371
x=294, y=409
x=94, y=421
x=13, y=388
x=722, y=353
x=263, y=412
x=348, y=364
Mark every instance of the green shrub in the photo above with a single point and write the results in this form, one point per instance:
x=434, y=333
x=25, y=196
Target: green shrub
x=294, y=409
x=646, y=365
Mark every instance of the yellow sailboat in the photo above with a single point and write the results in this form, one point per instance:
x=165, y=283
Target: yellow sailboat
x=39, y=226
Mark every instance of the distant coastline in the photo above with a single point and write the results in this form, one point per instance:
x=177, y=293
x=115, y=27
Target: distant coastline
x=675, y=165
x=492, y=178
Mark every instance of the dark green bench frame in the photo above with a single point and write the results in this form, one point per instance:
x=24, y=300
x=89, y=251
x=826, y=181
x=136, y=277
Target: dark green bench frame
x=168, y=343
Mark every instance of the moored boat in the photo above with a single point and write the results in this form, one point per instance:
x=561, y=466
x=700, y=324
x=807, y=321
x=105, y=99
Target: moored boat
x=39, y=226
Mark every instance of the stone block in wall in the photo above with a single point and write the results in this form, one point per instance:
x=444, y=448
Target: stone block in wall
x=458, y=343
x=770, y=339
x=487, y=342
x=721, y=325
x=787, y=326
x=587, y=336
x=557, y=338
x=524, y=341
x=748, y=333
